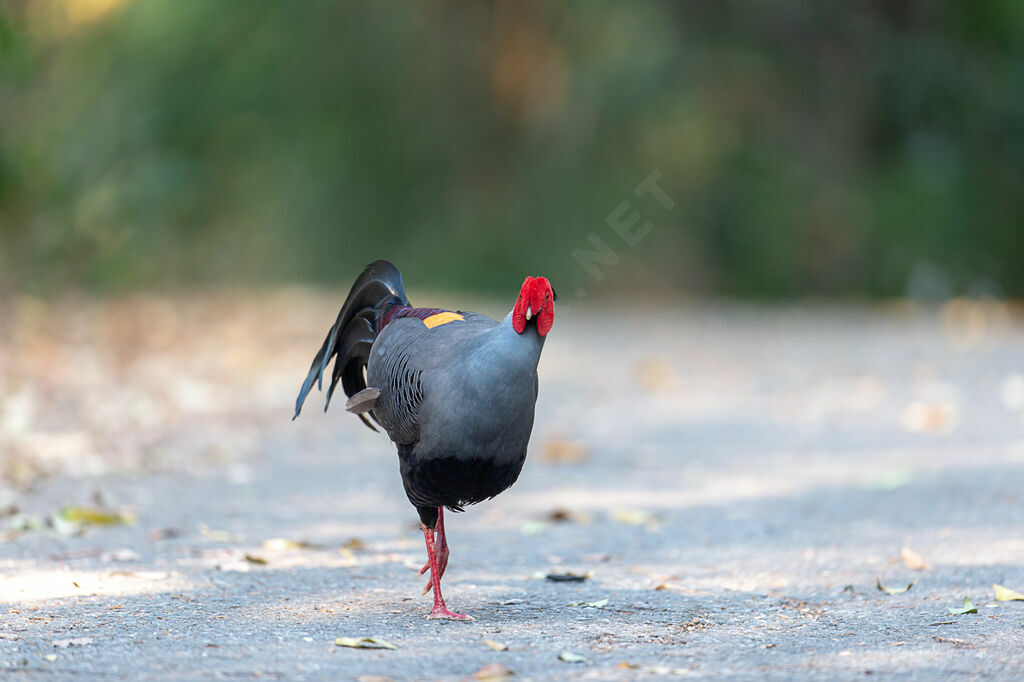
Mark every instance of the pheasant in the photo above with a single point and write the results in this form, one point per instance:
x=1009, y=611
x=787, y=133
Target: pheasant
x=455, y=391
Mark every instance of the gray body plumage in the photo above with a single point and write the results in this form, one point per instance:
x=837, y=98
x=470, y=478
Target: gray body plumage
x=458, y=399
x=465, y=388
x=456, y=393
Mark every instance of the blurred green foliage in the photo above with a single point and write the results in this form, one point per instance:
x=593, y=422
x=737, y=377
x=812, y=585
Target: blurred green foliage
x=810, y=148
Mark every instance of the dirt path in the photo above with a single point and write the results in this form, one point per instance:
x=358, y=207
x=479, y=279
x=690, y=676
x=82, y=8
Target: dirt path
x=735, y=480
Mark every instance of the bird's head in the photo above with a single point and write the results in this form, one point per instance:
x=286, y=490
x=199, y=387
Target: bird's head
x=536, y=303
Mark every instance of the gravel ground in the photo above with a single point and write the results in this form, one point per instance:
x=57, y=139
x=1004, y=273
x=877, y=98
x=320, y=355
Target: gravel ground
x=735, y=481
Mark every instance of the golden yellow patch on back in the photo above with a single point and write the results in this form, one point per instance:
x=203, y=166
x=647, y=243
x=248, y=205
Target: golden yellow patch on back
x=437, y=319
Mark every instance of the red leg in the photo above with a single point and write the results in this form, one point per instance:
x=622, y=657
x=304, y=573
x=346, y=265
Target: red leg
x=442, y=543
x=441, y=547
x=440, y=610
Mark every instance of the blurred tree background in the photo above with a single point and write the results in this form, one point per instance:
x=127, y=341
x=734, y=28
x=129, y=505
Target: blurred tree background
x=835, y=149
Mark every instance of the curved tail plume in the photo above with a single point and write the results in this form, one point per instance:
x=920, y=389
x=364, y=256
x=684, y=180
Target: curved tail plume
x=360, y=320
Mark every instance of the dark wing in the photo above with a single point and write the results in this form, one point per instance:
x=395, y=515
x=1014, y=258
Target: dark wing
x=406, y=355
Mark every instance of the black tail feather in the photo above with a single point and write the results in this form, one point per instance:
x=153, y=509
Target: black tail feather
x=355, y=344
x=350, y=339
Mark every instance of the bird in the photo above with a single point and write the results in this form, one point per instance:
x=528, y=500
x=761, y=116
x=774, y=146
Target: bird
x=455, y=391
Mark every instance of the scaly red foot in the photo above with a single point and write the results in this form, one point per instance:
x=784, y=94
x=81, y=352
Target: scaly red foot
x=442, y=612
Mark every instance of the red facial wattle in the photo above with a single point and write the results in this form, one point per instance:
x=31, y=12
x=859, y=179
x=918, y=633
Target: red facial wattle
x=537, y=300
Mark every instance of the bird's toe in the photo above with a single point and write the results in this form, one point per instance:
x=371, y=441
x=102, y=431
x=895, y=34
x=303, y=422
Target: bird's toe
x=443, y=613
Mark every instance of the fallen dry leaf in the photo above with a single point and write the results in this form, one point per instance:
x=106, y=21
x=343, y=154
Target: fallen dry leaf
x=95, y=517
x=22, y=523
x=569, y=577
x=349, y=557
x=164, y=533
x=120, y=555
x=913, y=560
x=144, y=575
x=282, y=544
x=633, y=517
x=562, y=515
x=599, y=604
x=1006, y=594
x=50, y=657
x=967, y=607
x=894, y=590
x=353, y=545
x=570, y=657
x=218, y=535
x=563, y=451
x=364, y=643
x=497, y=646
x=75, y=641
x=958, y=643
x=558, y=515
x=71, y=521
x=495, y=672
x=663, y=670
x=253, y=559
